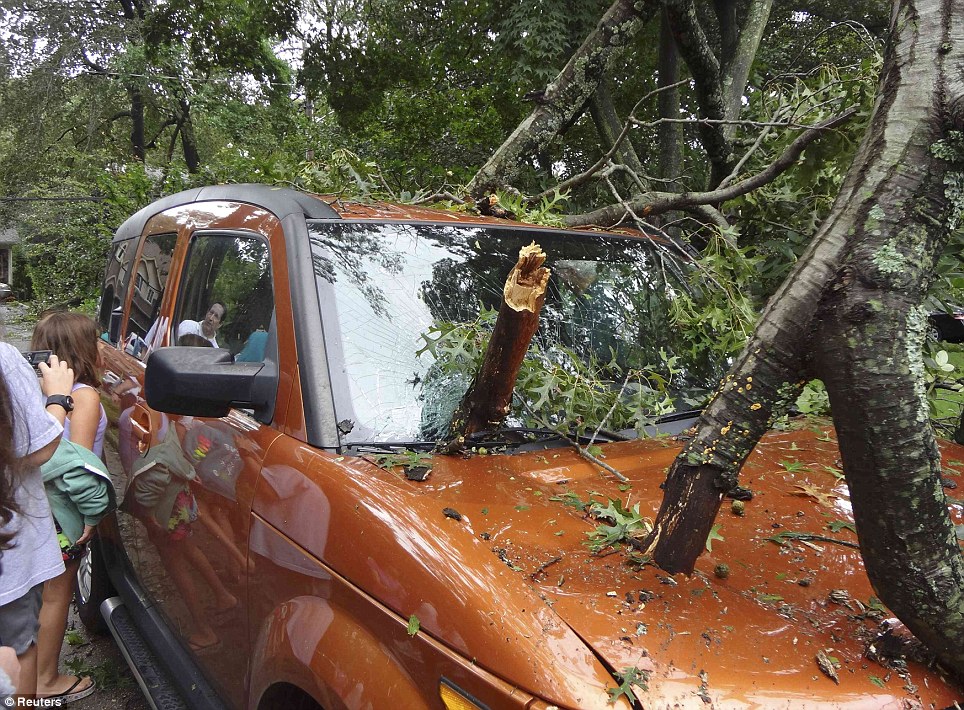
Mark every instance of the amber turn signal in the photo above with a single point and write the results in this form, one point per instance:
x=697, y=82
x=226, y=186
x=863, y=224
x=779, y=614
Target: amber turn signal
x=454, y=698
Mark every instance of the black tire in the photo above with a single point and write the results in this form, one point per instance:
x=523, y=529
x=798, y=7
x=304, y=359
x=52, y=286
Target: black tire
x=92, y=588
x=934, y=334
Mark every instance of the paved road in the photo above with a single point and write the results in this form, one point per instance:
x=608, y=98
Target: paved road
x=97, y=655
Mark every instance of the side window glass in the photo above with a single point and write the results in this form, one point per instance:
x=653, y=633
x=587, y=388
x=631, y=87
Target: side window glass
x=226, y=299
x=116, y=279
x=150, y=279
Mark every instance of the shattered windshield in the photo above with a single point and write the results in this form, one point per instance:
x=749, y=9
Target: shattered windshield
x=408, y=309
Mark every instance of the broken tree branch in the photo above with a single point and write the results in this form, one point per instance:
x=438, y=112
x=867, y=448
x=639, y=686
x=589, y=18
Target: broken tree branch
x=659, y=202
x=488, y=400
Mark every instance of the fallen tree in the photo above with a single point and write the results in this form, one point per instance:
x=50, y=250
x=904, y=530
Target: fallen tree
x=851, y=314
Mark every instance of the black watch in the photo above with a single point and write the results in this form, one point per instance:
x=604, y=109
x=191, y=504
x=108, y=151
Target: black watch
x=63, y=400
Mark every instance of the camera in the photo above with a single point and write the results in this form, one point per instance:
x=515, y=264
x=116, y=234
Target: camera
x=35, y=357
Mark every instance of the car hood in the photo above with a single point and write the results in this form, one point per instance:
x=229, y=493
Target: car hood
x=497, y=536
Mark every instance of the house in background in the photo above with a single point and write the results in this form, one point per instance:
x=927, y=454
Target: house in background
x=8, y=239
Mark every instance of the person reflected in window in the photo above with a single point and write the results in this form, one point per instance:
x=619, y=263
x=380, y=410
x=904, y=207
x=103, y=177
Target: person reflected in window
x=208, y=327
x=253, y=350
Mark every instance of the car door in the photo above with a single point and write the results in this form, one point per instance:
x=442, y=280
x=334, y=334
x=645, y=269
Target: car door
x=224, y=299
x=132, y=297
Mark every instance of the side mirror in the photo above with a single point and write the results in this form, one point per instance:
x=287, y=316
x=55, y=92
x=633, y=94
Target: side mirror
x=206, y=382
x=113, y=330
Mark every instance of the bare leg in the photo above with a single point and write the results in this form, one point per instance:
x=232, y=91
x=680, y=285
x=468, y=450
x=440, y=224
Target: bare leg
x=53, y=623
x=175, y=557
x=28, y=672
x=219, y=528
x=223, y=599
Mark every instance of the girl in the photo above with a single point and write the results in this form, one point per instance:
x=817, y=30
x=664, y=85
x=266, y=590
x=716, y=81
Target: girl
x=72, y=337
x=29, y=432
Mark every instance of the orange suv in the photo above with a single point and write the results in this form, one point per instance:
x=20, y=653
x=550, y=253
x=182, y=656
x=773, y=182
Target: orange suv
x=279, y=370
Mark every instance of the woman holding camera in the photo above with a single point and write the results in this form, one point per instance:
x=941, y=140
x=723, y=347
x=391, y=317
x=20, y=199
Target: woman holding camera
x=79, y=494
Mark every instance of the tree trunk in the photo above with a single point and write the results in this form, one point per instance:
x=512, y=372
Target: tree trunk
x=488, y=400
x=736, y=67
x=138, y=147
x=565, y=95
x=895, y=210
x=188, y=140
x=668, y=105
x=609, y=127
x=694, y=47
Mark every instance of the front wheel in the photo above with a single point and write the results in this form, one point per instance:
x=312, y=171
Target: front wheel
x=93, y=587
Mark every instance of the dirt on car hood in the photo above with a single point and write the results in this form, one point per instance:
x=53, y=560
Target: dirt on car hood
x=778, y=613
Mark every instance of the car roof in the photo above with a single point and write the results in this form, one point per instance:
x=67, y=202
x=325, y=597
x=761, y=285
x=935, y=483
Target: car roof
x=283, y=201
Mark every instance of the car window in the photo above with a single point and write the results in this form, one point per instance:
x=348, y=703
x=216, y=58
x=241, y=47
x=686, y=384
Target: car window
x=150, y=280
x=116, y=279
x=226, y=298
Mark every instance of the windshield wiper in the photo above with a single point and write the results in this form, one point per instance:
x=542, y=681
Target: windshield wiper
x=519, y=435
x=389, y=447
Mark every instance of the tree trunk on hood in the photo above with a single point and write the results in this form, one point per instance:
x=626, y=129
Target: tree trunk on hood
x=853, y=305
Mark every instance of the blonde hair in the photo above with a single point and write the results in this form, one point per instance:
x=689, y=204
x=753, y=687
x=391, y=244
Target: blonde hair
x=71, y=337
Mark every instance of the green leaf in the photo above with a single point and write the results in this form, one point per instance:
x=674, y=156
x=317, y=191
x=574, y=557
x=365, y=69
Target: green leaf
x=714, y=535
x=876, y=681
x=413, y=625
x=627, y=679
x=838, y=525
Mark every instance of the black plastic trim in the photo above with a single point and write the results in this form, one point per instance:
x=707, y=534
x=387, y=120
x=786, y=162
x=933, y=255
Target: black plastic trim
x=191, y=683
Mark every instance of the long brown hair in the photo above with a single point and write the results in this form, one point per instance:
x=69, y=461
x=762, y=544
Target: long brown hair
x=71, y=337
x=8, y=505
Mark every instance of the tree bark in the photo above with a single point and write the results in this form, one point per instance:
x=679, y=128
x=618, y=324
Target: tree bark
x=138, y=147
x=188, y=140
x=610, y=127
x=488, y=400
x=902, y=197
x=694, y=47
x=668, y=106
x=565, y=95
x=736, y=67
x=871, y=335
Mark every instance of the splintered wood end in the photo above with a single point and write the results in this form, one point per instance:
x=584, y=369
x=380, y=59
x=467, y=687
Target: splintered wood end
x=527, y=281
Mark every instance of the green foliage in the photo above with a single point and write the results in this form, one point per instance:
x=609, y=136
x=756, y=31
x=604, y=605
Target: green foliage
x=107, y=675
x=719, y=313
x=73, y=637
x=405, y=458
x=814, y=399
x=64, y=244
x=622, y=524
x=780, y=218
x=555, y=386
x=547, y=212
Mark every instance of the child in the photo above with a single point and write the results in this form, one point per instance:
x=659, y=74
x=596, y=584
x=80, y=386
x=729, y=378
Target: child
x=72, y=337
x=29, y=434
